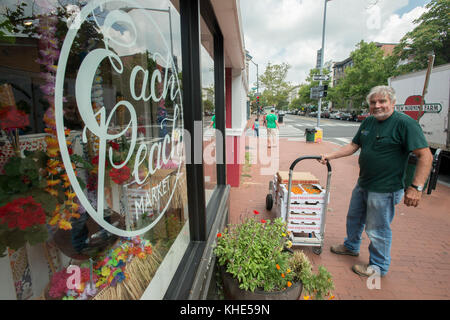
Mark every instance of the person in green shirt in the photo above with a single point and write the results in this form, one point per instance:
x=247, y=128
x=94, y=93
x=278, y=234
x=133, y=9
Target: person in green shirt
x=385, y=139
x=272, y=126
x=213, y=122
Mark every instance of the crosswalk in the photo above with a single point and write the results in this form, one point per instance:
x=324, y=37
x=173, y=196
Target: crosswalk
x=293, y=129
x=323, y=123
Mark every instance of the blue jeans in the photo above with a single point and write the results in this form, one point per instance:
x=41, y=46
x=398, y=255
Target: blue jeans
x=375, y=212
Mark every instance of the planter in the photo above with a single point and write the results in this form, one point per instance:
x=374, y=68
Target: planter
x=233, y=292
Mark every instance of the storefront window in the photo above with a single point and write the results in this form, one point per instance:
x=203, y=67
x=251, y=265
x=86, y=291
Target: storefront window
x=208, y=108
x=92, y=174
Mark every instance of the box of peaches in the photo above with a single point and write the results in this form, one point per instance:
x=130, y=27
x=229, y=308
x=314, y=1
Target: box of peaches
x=304, y=193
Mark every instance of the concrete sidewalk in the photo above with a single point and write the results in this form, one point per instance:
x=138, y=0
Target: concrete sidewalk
x=420, y=265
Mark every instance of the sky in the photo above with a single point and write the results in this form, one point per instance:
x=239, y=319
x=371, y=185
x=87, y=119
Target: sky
x=290, y=31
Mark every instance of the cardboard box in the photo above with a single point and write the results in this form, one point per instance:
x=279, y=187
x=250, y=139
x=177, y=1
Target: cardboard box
x=303, y=227
x=303, y=198
x=297, y=177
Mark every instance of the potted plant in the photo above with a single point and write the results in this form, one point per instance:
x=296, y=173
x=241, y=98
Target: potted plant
x=256, y=263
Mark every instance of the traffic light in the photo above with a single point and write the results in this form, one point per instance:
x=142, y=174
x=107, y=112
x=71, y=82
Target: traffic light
x=323, y=94
x=257, y=100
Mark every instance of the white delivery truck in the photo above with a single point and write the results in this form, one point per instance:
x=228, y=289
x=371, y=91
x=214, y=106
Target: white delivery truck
x=435, y=116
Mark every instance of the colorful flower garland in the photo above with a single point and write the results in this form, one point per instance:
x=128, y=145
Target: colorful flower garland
x=49, y=53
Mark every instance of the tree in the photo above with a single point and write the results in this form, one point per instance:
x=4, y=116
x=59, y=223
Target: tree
x=430, y=35
x=370, y=68
x=276, y=88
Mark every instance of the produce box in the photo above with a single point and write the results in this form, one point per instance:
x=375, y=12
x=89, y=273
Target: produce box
x=297, y=177
x=312, y=194
x=304, y=227
x=301, y=212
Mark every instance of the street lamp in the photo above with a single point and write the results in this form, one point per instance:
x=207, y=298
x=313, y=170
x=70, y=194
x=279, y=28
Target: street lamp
x=249, y=58
x=319, y=108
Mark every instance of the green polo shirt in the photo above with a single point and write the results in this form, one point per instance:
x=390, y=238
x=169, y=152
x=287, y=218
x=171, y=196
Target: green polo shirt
x=271, y=118
x=385, y=147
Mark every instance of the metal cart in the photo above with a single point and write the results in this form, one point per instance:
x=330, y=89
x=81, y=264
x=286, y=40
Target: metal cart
x=317, y=241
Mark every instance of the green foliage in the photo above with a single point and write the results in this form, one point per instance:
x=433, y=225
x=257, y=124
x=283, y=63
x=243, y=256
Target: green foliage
x=253, y=253
x=370, y=68
x=430, y=35
x=276, y=88
x=319, y=285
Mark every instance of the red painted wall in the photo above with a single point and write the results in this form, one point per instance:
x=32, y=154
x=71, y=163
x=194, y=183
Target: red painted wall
x=232, y=143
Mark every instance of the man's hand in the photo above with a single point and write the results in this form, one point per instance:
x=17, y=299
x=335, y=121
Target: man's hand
x=324, y=159
x=412, y=197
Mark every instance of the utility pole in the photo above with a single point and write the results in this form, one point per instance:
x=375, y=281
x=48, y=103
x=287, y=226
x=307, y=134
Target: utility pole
x=319, y=108
x=250, y=58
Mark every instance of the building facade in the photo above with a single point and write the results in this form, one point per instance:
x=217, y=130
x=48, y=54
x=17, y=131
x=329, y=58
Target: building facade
x=113, y=185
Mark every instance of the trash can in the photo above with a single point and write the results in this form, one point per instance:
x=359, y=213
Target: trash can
x=318, y=135
x=280, y=118
x=310, y=134
x=411, y=170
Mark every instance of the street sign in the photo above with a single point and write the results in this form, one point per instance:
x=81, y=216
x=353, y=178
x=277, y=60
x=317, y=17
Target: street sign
x=318, y=92
x=321, y=77
x=314, y=93
x=319, y=59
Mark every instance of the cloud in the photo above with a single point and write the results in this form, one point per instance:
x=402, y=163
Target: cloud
x=291, y=30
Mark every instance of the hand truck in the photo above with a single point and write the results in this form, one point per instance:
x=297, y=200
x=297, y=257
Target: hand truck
x=316, y=242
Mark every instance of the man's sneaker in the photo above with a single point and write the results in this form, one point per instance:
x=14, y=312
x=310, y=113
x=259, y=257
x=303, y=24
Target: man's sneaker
x=341, y=249
x=365, y=270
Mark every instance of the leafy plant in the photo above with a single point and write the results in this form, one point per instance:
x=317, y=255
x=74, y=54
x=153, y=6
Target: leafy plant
x=253, y=252
x=24, y=204
x=318, y=286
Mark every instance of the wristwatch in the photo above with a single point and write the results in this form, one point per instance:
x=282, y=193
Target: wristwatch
x=418, y=188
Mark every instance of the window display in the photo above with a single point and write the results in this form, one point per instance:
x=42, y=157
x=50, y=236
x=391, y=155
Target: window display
x=92, y=167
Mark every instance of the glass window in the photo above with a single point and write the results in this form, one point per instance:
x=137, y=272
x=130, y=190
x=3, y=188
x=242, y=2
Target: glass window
x=92, y=175
x=208, y=108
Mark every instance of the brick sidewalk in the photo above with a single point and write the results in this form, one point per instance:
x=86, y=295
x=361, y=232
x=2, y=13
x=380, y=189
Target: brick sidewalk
x=420, y=264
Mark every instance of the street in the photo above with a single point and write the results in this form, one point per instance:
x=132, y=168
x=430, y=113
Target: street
x=339, y=132
x=335, y=131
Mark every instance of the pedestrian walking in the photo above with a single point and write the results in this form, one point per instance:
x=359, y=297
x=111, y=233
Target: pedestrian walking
x=213, y=122
x=256, y=127
x=386, y=138
x=272, y=126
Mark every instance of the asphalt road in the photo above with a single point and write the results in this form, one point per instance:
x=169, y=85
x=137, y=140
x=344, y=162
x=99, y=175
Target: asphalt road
x=336, y=131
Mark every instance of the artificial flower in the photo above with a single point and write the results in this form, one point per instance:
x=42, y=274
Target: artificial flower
x=64, y=224
x=12, y=118
x=142, y=255
x=114, y=145
x=70, y=195
x=22, y=213
x=121, y=175
x=55, y=219
x=51, y=183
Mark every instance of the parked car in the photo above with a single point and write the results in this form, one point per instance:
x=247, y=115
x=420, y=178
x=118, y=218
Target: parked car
x=335, y=115
x=313, y=114
x=362, y=116
x=346, y=116
x=325, y=114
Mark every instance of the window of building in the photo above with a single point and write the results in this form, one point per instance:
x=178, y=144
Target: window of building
x=92, y=168
x=208, y=109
